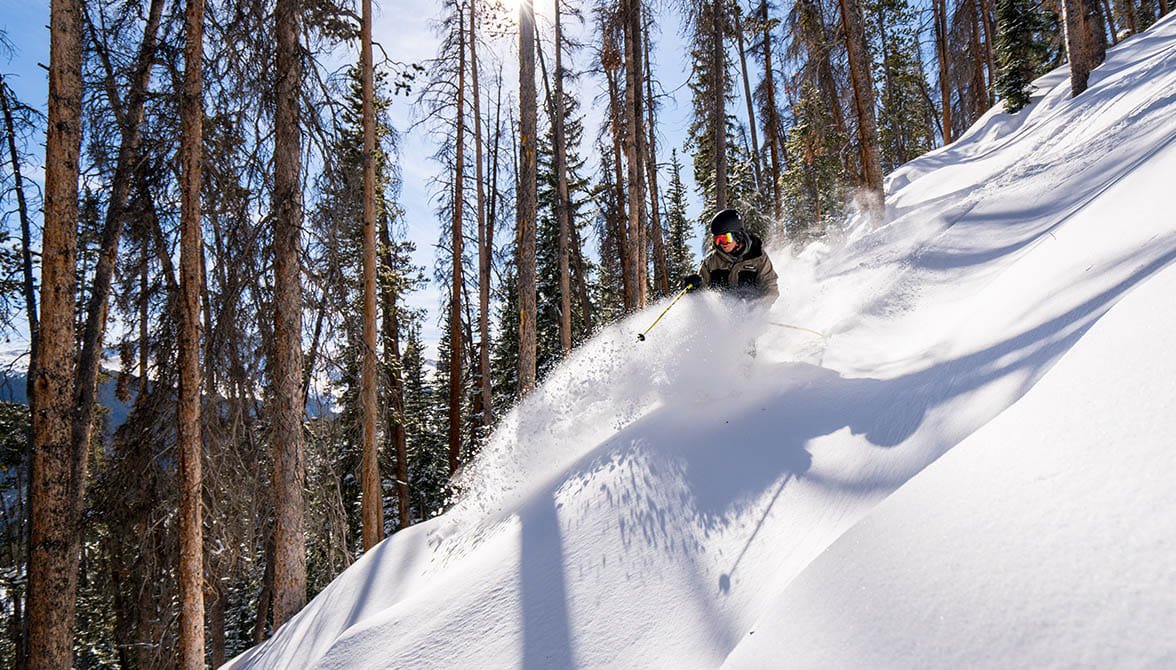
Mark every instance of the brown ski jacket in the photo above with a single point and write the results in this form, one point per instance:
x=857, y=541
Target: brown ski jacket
x=747, y=275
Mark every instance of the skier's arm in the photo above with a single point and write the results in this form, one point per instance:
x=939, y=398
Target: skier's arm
x=768, y=282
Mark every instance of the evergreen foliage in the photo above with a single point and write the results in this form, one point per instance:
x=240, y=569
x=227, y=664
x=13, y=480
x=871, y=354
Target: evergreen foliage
x=548, y=351
x=1019, y=50
x=815, y=182
x=905, y=118
x=680, y=260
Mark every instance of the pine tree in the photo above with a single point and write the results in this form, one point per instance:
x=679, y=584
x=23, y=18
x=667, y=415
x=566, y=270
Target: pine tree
x=1019, y=51
x=906, y=117
x=549, y=348
x=679, y=258
x=814, y=184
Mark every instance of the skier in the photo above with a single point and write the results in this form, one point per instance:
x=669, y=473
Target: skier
x=737, y=264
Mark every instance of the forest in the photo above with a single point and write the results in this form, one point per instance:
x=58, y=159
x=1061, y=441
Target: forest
x=224, y=395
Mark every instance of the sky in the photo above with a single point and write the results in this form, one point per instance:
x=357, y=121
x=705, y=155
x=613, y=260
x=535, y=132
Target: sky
x=962, y=460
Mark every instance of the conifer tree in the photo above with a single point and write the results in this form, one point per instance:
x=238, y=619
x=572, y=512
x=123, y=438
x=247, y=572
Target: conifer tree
x=1019, y=52
x=906, y=117
x=679, y=258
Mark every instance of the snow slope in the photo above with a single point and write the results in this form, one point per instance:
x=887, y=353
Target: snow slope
x=675, y=504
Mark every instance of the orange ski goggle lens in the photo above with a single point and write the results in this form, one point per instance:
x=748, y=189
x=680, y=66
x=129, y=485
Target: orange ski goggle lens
x=725, y=238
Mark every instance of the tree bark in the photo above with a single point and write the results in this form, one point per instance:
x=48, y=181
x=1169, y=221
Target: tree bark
x=863, y=96
x=485, y=236
x=455, y=334
x=191, y=567
x=373, y=496
x=1085, y=42
x=649, y=158
x=718, y=102
x=772, y=128
x=396, y=392
x=289, y=590
x=940, y=11
x=628, y=263
x=131, y=121
x=53, y=491
x=755, y=152
x=527, y=199
x=634, y=139
x=28, y=285
x=562, y=207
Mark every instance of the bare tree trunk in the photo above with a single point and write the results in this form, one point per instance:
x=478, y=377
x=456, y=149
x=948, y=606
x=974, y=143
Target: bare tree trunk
x=718, y=109
x=396, y=394
x=455, y=335
x=1085, y=42
x=373, y=495
x=979, y=86
x=1129, y=14
x=131, y=122
x=485, y=238
x=1110, y=14
x=53, y=544
x=649, y=158
x=630, y=15
x=755, y=152
x=289, y=591
x=214, y=607
x=191, y=568
x=1163, y=8
x=562, y=206
x=144, y=340
x=266, y=598
x=28, y=285
x=628, y=264
x=772, y=122
x=986, y=20
x=863, y=95
x=941, y=51
x=527, y=199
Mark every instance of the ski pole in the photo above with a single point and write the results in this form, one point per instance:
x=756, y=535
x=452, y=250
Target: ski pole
x=641, y=335
x=789, y=325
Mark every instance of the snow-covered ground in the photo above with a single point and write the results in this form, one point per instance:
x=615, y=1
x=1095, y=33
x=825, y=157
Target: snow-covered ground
x=970, y=465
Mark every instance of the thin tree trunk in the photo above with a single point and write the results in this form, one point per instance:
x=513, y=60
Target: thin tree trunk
x=485, y=240
x=289, y=590
x=89, y=359
x=634, y=80
x=562, y=207
x=214, y=607
x=373, y=496
x=396, y=394
x=53, y=556
x=191, y=568
x=941, y=51
x=28, y=285
x=628, y=264
x=1085, y=44
x=144, y=340
x=527, y=200
x=755, y=152
x=649, y=158
x=979, y=86
x=772, y=122
x=718, y=102
x=455, y=334
x=1109, y=13
x=863, y=96
x=989, y=25
x=266, y=598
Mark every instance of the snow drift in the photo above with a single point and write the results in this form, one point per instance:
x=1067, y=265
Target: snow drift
x=676, y=504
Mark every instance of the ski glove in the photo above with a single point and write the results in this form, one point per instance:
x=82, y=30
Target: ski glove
x=691, y=282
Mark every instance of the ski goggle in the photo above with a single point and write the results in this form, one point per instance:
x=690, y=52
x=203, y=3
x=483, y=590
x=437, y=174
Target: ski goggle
x=724, y=238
